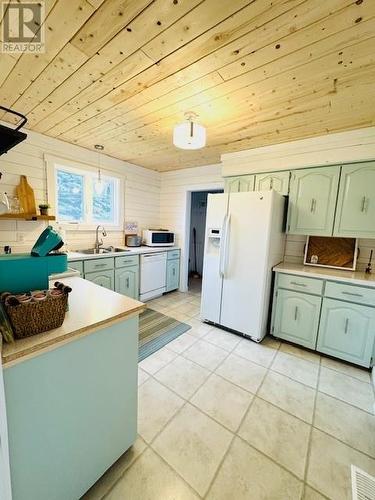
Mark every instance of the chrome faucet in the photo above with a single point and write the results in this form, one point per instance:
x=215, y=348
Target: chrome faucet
x=99, y=243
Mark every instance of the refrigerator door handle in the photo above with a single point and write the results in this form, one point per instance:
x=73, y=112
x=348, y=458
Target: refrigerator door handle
x=222, y=247
x=226, y=246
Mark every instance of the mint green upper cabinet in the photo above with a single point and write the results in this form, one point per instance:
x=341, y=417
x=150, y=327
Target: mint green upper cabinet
x=312, y=201
x=355, y=215
x=239, y=184
x=278, y=181
x=297, y=317
x=247, y=183
x=127, y=281
x=347, y=331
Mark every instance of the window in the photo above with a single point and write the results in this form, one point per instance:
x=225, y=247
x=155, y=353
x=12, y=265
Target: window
x=75, y=200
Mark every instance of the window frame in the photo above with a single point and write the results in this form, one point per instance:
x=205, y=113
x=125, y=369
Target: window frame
x=52, y=165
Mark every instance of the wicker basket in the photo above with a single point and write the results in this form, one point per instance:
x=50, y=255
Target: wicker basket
x=37, y=317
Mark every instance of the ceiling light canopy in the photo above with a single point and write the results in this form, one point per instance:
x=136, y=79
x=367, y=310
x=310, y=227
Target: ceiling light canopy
x=189, y=135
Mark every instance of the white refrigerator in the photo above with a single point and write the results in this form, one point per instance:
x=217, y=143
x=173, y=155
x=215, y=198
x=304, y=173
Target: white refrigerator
x=244, y=239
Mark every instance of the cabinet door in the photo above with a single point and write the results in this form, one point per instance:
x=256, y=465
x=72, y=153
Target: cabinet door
x=5, y=488
x=232, y=185
x=347, y=331
x=246, y=183
x=355, y=215
x=173, y=274
x=312, y=201
x=127, y=281
x=239, y=184
x=102, y=278
x=296, y=317
x=77, y=265
x=278, y=181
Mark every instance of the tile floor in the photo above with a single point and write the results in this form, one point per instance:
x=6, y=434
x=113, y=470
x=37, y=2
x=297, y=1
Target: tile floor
x=221, y=418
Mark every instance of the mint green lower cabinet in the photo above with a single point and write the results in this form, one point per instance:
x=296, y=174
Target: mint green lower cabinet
x=347, y=331
x=103, y=278
x=296, y=317
x=72, y=412
x=127, y=281
x=76, y=265
x=173, y=274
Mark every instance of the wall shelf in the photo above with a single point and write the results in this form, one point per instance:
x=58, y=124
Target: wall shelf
x=24, y=216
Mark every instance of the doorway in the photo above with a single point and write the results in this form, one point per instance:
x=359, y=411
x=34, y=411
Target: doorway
x=198, y=211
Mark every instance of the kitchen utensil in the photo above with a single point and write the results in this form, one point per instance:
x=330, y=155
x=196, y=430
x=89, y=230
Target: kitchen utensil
x=4, y=203
x=26, y=196
x=48, y=241
x=133, y=240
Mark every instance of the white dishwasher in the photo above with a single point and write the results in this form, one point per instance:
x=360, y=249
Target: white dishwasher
x=153, y=275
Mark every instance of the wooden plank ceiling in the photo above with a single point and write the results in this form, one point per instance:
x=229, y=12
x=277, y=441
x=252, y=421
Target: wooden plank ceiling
x=257, y=72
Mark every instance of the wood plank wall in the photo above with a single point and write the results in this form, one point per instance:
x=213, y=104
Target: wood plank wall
x=142, y=190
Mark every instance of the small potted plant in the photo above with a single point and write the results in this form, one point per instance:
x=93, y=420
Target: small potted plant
x=44, y=207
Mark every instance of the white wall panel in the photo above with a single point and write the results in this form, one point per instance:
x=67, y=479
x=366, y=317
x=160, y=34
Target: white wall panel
x=142, y=190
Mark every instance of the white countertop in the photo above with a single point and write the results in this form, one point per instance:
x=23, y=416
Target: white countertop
x=352, y=277
x=73, y=256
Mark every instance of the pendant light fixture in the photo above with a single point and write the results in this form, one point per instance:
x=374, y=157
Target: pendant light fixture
x=189, y=134
x=99, y=184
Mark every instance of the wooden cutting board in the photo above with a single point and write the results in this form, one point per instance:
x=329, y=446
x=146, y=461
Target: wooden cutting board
x=332, y=252
x=26, y=196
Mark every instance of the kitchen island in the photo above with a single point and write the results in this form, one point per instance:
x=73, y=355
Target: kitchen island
x=71, y=395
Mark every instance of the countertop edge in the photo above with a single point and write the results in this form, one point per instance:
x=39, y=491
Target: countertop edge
x=50, y=344
x=326, y=274
x=74, y=256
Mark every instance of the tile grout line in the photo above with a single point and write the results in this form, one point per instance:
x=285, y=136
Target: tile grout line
x=235, y=435
x=308, y=453
x=186, y=401
x=123, y=473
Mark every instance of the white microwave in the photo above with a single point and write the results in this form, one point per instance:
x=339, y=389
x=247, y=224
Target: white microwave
x=158, y=238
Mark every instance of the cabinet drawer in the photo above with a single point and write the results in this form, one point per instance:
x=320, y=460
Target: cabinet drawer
x=93, y=265
x=300, y=283
x=173, y=254
x=351, y=293
x=127, y=260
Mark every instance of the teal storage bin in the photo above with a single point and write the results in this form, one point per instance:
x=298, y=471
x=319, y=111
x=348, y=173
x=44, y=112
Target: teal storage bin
x=23, y=272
